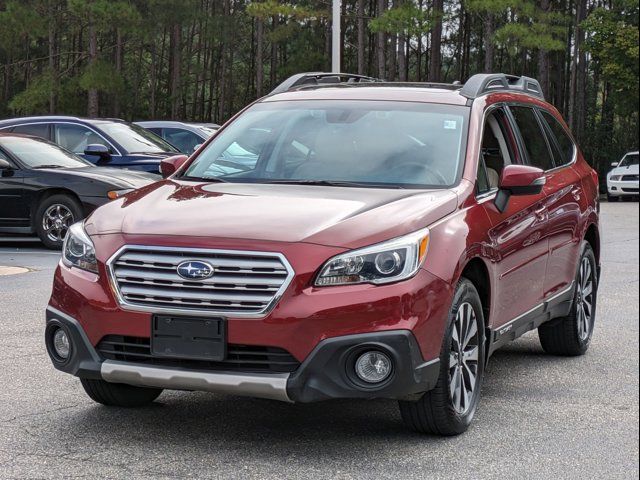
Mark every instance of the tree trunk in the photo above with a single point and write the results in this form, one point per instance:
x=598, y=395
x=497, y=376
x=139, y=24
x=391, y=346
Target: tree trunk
x=361, y=37
x=259, y=57
x=381, y=40
x=92, y=96
x=53, y=71
x=487, y=36
x=175, y=70
x=435, y=62
x=118, y=53
x=543, y=57
x=576, y=93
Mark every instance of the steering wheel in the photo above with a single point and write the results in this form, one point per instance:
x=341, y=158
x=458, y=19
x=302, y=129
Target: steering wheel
x=414, y=169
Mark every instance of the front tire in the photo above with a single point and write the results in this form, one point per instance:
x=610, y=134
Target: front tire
x=53, y=218
x=571, y=335
x=449, y=408
x=119, y=394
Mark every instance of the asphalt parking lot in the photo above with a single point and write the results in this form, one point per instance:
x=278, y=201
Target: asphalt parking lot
x=540, y=416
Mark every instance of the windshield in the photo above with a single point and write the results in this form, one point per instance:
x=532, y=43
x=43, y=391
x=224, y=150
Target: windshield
x=629, y=160
x=135, y=139
x=360, y=143
x=36, y=153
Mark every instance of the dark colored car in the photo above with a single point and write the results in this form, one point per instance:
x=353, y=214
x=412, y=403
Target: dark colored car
x=186, y=137
x=385, y=240
x=44, y=189
x=104, y=142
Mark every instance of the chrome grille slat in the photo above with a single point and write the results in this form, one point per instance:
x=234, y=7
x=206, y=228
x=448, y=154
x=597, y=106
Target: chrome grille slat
x=243, y=284
x=220, y=279
x=174, y=260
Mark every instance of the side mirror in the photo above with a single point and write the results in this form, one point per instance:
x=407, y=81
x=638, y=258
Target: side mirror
x=170, y=165
x=519, y=180
x=5, y=165
x=615, y=164
x=98, y=150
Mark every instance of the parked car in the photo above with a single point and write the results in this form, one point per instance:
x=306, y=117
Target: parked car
x=624, y=180
x=385, y=242
x=44, y=189
x=186, y=137
x=104, y=142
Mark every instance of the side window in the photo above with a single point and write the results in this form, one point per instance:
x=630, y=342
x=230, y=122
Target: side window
x=75, y=138
x=563, y=142
x=533, y=137
x=496, y=152
x=183, y=140
x=37, y=130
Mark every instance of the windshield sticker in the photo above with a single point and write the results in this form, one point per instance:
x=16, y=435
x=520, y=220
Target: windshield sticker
x=450, y=125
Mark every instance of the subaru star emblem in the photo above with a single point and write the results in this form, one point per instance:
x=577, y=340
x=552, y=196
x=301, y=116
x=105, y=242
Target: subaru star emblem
x=195, y=270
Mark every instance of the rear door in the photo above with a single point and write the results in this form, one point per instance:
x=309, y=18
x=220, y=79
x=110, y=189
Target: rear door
x=565, y=202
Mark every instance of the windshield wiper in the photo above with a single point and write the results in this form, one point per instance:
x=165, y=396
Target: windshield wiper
x=48, y=166
x=203, y=179
x=332, y=183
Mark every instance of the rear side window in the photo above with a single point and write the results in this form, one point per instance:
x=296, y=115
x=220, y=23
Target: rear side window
x=533, y=137
x=37, y=130
x=563, y=142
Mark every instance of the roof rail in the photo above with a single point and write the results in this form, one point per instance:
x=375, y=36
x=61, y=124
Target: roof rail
x=317, y=78
x=484, y=83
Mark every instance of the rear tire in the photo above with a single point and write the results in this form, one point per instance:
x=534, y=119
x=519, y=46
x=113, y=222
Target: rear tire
x=449, y=408
x=53, y=218
x=119, y=394
x=571, y=335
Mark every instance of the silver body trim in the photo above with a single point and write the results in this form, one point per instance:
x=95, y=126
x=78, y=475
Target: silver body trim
x=542, y=306
x=182, y=309
x=270, y=386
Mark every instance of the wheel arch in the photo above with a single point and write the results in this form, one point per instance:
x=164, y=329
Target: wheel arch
x=477, y=272
x=592, y=235
x=43, y=194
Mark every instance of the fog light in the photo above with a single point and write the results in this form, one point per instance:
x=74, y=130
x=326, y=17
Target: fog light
x=61, y=344
x=373, y=367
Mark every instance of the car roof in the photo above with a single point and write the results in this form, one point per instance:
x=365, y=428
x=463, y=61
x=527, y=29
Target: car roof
x=373, y=92
x=632, y=153
x=175, y=123
x=58, y=118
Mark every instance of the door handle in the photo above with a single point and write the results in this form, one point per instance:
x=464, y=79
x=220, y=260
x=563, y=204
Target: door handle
x=541, y=213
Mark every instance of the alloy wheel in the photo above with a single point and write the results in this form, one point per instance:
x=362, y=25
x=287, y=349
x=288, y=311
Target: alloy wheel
x=56, y=222
x=584, y=301
x=464, y=358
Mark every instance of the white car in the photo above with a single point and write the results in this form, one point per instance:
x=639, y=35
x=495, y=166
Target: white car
x=623, y=180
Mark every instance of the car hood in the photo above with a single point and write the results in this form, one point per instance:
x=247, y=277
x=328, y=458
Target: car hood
x=118, y=177
x=332, y=216
x=630, y=170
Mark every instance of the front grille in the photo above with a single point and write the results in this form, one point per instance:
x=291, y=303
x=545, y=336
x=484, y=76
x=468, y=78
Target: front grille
x=242, y=358
x=631, y=178
x=630, y=190
x=243, y=283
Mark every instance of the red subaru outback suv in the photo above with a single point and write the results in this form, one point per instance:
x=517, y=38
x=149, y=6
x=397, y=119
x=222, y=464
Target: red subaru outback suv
x=340, y=238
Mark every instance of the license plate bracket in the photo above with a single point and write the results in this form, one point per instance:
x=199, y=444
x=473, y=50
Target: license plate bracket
x=189, y=338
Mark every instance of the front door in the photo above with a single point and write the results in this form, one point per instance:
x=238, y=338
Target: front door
x=518, y=244
x=14, y=213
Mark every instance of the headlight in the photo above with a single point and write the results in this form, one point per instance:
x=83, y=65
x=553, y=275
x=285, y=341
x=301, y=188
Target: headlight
x=78, y=250
x=387, y=262
x=115, y=194
x=616, y=178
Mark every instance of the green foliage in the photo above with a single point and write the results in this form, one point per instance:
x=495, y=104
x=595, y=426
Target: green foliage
x=35, y=98
x=103, y=77
x=407, y=19
x=613, y=42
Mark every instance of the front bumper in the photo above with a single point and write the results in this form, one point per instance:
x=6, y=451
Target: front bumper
x=622, y=189
x=325, y=374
